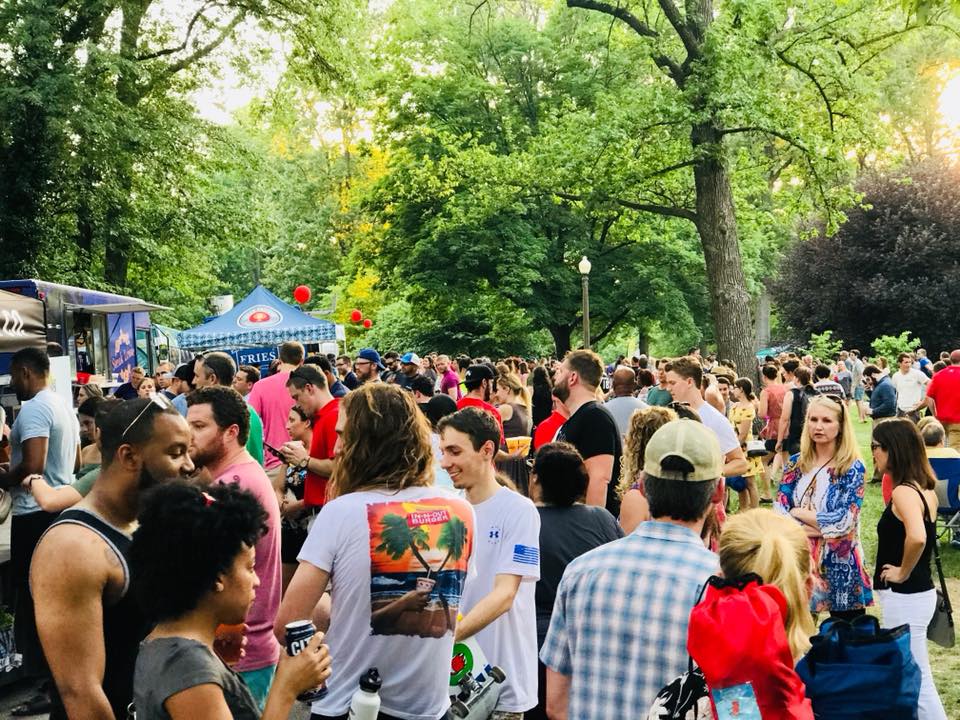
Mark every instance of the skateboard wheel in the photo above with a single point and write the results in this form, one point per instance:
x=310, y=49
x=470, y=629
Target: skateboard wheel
x=459, y=709
x=497, y=674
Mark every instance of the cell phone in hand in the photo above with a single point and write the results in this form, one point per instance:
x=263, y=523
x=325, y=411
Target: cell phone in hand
x=273, y=451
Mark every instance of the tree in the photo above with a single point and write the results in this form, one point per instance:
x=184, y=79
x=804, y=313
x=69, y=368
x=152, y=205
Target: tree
x=470, y=113
x=397, y=537
x=894, y=264
x=823, y=347
x=793, y=81
x=92, y=89
x=453, y=538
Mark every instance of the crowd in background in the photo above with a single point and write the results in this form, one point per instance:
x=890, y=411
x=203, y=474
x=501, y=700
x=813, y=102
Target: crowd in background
x=576, y=520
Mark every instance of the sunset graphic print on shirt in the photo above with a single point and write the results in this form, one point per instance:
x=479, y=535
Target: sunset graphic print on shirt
x=418, y=563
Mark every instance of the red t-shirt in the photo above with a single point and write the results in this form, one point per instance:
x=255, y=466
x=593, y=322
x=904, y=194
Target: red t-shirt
x=321, y=447
x=547, y=430
x=478, y=403
x=944, y=388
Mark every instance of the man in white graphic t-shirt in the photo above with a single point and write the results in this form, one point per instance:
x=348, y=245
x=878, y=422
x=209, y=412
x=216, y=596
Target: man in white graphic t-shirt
x=498, y=602
x=395, y=552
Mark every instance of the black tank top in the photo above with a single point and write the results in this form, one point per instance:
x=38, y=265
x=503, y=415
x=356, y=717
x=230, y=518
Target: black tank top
x=798, y=413
x=123, y=624
x=891, y=534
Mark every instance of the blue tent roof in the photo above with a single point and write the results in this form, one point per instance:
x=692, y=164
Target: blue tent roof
x=260, y=319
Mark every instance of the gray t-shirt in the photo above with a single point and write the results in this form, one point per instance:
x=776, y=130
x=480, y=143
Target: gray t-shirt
x=166, y=666
x=622, y=408
x=46, y=415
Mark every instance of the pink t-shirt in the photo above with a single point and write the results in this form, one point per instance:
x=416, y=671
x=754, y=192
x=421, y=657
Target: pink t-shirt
x=448, y=380
x=272, y=402
x=262, y=646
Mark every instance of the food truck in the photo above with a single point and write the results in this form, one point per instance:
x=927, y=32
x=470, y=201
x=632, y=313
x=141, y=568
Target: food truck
x=103, y=334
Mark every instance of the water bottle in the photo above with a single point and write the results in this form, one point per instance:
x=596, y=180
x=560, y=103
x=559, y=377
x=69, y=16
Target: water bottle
x=365, y=703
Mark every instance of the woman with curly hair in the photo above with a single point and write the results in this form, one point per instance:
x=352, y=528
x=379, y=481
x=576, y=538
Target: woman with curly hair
x=394, y=550
x=643, y=424
x=191, y=564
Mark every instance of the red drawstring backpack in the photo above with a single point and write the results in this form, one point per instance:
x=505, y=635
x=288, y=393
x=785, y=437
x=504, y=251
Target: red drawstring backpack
x=736, y=636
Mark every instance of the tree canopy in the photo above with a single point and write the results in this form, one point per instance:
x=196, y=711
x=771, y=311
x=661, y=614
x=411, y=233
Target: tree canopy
x=895, y=261
x=443, y=166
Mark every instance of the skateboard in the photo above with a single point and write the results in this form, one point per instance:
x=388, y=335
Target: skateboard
x=474, y=683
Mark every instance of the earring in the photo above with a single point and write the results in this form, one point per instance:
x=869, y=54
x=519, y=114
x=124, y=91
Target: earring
x=218, y=587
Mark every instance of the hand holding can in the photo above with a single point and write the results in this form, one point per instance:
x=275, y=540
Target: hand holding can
x=307, y=666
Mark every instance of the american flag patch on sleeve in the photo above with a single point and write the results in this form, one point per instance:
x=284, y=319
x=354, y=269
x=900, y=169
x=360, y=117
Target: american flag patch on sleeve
x=526, y=555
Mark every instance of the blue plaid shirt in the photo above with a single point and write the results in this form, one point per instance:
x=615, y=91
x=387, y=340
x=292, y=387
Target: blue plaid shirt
x=619, y=625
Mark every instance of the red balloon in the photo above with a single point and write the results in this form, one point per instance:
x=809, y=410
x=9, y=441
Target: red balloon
x=368, y=323
x=356, y=316
x=301, y=294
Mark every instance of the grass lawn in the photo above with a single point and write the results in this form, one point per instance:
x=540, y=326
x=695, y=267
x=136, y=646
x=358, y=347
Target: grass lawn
x=945, y=663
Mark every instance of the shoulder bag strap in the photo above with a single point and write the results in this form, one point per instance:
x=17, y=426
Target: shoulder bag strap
x=936, y=551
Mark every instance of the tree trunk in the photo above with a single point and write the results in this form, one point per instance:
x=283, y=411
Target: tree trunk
x=117, y=245
x=643, y=342
x=717, y=227
x=561, y=339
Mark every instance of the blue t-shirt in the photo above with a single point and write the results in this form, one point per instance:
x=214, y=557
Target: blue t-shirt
x=180, y=403
x=49, y=416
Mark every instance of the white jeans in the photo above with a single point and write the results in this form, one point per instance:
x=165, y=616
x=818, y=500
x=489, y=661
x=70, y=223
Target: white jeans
x=915, y=610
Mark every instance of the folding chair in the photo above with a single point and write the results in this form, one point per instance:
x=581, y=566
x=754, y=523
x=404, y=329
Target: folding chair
x=947, y=471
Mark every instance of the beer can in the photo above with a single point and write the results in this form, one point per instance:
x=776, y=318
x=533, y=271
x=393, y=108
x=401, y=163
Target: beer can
x=298, y=634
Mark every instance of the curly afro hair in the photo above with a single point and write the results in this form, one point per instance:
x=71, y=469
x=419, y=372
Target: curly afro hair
x=189, y=535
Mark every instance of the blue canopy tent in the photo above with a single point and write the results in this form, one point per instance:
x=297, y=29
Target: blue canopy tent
x=261, y=319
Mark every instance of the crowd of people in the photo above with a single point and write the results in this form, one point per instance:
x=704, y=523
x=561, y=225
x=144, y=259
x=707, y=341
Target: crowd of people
x=564, y=515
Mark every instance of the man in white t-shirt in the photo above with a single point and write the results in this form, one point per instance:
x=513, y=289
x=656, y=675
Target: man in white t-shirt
x=684, y=377
x=396, y=552
x=499, y=601
x=911, y=387
x=44, y=440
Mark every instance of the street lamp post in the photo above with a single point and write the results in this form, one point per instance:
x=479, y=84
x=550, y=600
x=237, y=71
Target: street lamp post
x=584, y=268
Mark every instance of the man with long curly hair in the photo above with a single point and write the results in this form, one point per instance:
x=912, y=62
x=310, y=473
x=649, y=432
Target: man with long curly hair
x=394, y=550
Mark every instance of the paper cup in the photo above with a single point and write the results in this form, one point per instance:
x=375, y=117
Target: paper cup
x=521, y=443
x=425, y=584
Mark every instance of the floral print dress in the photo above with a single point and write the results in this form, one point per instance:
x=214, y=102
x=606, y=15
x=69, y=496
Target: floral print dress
x=837, y=555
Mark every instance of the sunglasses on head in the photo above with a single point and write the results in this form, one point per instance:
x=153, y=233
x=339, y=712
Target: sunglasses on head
x=157, y=400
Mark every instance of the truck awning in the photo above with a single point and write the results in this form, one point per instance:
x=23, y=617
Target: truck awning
x=121, y=307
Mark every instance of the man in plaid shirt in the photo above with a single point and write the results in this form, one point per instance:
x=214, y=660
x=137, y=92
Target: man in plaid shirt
x=619, y=628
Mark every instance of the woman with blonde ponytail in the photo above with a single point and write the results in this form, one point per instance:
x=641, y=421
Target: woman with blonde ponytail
x=762, y=542
x=732, y=634
x=513, y=404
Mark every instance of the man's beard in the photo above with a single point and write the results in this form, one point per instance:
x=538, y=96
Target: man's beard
x=210, y=455
x=561, y=391
x=147, y=479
